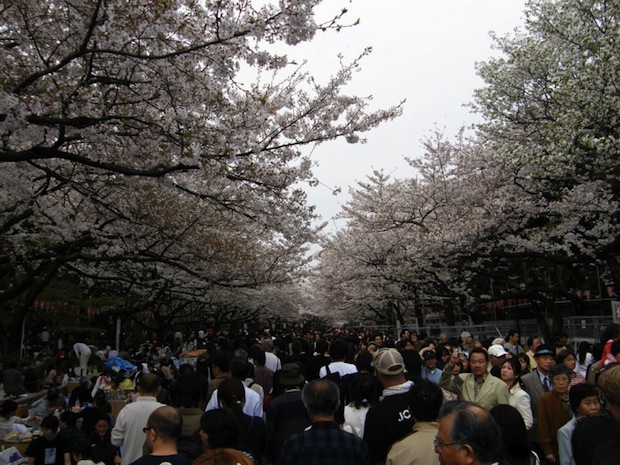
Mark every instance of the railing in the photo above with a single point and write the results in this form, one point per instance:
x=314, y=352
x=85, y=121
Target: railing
x=578, y=328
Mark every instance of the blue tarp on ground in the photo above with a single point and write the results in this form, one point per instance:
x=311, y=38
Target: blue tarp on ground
x=117, y=364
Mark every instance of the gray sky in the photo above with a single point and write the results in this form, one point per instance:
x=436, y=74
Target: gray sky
x=424, y=52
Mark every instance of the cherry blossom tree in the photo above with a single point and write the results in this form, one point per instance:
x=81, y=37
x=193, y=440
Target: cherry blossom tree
x=531, y=200
x=156, y=145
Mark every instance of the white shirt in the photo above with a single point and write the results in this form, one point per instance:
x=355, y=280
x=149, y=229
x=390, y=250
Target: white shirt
x=520, y=400
x=253, y=405
x=127, y=431
x=356, y=418
x=272, y=361
x=338, y=367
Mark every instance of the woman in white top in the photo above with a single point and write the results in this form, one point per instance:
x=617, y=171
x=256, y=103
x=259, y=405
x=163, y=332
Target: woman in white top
x=584, y=358
x=363, y=394
x=519, y=399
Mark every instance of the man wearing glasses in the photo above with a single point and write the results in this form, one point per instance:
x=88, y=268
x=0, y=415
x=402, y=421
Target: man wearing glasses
x=467, y=434
x=163, y=428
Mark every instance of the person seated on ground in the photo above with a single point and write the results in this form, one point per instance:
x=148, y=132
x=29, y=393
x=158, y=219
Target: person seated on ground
x=8, y=418
x=101, y=442
x=69, y=432
x=91, y=414
x=53, y=374
x=48, y=405
x=83, y=454
x=103, y=382
x=219, y=433
x=115, y=391
x=81, y=395
x=515, y=447
x=48, y=449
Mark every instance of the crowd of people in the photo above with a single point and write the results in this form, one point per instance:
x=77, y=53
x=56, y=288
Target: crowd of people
x=340, y=397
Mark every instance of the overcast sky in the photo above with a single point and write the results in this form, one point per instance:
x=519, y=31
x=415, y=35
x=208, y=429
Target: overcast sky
x=424, y=52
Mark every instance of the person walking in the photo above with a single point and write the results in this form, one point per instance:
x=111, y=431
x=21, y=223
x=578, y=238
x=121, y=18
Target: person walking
x=324, y=443
x=129, y=430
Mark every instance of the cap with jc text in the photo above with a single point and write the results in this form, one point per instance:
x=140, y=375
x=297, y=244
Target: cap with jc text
x=389, y=362
x=429, y=354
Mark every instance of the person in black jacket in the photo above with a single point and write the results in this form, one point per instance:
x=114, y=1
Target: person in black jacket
x=390, y=419
x=102, y=447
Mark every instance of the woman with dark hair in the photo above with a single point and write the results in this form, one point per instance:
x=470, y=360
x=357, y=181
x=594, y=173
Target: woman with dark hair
x=219, y=433
x=102, y=447
x=465, y=368
x=515, y=447
x=524, y=361
x=584, y=358
x=413, y=364
x=363, y=362
x=253, y=432
x=363, y=393
x=519, y=399
x=443, y=356
x=567, y=358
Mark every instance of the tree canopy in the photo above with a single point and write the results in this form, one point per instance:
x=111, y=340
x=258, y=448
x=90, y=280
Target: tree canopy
x=526, y=205
x=154, y=148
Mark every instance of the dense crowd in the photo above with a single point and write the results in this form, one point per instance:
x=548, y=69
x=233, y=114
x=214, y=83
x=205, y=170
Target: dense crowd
x=338, y=397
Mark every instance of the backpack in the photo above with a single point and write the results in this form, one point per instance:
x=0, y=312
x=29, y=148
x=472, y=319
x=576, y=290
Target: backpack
x=336, y=378
x=190, y=446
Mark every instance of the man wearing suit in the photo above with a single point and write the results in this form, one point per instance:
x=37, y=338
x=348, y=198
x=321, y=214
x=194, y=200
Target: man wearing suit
x=537, y=382
x=479, y=386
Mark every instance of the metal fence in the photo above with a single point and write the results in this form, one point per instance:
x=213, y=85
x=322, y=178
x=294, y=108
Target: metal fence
x=579, y=328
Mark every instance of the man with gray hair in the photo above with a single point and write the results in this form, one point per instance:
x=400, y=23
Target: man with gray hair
x=271, y=360
x=467, y=434
x=324, y=443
